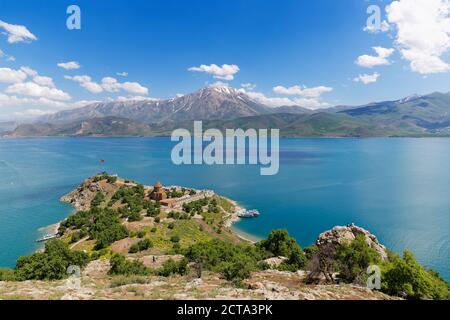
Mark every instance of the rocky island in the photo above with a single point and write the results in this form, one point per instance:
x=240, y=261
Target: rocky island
x=126, y=240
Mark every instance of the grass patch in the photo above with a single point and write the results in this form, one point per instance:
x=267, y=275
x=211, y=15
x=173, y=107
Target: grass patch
x=119, y=281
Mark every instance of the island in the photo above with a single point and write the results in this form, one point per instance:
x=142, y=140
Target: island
x=126, y=240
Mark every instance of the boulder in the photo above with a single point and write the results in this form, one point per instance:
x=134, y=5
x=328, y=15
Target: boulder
x=340, y=234
x=275, y=261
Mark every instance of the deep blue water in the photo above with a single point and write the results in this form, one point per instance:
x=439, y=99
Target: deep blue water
x=399, y=189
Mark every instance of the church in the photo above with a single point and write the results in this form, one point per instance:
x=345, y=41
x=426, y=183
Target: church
x=158, y=192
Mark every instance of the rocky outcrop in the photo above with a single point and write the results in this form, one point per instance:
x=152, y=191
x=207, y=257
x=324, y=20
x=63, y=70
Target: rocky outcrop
x=341, y=234
x=82, y=196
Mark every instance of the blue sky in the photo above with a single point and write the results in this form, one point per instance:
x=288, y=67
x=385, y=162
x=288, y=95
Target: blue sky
x=283, y=43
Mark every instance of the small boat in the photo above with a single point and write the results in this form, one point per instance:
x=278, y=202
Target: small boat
x=248, y=213
x=46, y=238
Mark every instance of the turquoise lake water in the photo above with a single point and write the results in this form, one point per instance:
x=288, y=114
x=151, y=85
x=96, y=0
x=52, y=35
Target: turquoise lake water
x=399, y=189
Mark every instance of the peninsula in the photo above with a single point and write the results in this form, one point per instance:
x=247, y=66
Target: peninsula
x=132, y=241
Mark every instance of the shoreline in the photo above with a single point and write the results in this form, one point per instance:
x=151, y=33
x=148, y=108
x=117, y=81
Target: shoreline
x=233, y=218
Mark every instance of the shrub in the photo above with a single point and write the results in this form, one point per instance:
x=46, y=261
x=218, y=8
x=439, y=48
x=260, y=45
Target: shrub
x=141, y=234
x=406, y=277
x=7, y=275
x=171, y=267
x=109, y=235
x=141, y=246
x=51, y=264
x=354, y=258
x=121, y=266
x=238, y=270
x=98, y=199
x=279, y=243
x=223, y=257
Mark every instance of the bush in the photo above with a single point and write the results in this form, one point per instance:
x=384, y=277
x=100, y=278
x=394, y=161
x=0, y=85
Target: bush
x=98, y=199
x=406, y=277
x=121, y=266
x=171, y=267
x=354, y=258
x=112, y=234
x=279, y=243
x=7, y=275
x=238, y=270
x=175, y=238
x=141, y=234
x=223, y=257
x=141, y=246
x=51, y=264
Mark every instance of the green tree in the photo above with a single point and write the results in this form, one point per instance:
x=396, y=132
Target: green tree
x=406, y=277
x=51, y=264
x=121, y=266
x=280, y=243
x=354, y=258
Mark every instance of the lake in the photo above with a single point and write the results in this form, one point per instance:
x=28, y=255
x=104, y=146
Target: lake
x=399, y=189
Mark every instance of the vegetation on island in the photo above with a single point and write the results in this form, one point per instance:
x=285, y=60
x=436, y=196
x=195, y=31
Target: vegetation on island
x=196, y=240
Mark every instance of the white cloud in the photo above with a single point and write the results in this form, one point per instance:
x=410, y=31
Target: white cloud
x=82, y=103
x=13, y=101
x=312, y=103
x=108, y=84
x=32, y=113
x=368, y=61
x=30, y=72
x=367, y=78
x=134, y=98
x=70, y=65
x=112, y=85
x=44, y=81
x=87, y=83
x=8, y=75
x=423, y=29
x=248, y=86
x=6, y=56
x=314, y=92
x=17, y=33
x=122, y=74
x=34, y=107
x=32, y=89
x=225, y=72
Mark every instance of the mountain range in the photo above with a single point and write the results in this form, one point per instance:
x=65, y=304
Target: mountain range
x=225, y=107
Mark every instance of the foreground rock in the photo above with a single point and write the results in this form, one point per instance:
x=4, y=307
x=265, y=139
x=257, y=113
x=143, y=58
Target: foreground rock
x=341, y=234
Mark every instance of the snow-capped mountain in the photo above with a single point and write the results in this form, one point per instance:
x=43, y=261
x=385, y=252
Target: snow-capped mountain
x=210, y=103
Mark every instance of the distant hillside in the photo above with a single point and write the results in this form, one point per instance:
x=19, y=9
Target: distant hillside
x=427, y=115
x=7, y=126
x=224, y=107
x=321, y=124
x=108, y=126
